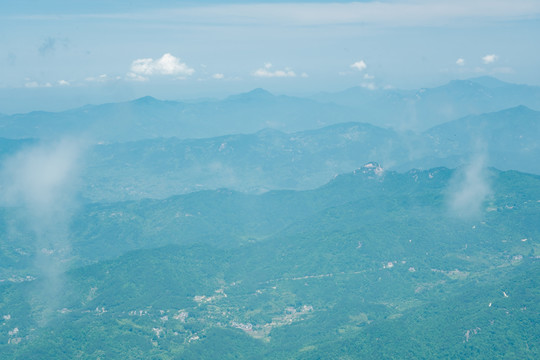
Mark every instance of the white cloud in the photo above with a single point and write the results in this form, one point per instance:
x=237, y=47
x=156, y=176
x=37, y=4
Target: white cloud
x=460, y=62
x=369, y=77
x=63, y=83
x=489, y=59
x=268, y=73
x=304, y=75
x=218, y=76
x=359, y=65
x=165, y=65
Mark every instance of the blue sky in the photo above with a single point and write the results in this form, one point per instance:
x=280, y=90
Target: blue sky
x=62, y=54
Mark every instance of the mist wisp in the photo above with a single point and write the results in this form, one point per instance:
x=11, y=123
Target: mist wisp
x=40, y=184
x=469, y=188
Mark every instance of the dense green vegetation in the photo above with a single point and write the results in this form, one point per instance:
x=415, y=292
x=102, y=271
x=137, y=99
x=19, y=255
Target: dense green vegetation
x=372, y=265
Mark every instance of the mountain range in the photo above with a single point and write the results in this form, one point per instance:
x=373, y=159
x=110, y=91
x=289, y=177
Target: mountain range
x=427, y=107
x=256, y=110
x=370, y=223
x=270, y=159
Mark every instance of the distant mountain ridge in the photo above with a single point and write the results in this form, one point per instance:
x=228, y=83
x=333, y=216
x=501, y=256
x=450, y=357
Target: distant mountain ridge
x=427, y=107
x=270, y=159
x=148, y=117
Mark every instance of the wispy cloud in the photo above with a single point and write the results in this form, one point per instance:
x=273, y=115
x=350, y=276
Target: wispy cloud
x=460, y=62
x=35, y=84
x=50, y=45
x=218, y=76
x=38, y=177
x=469, y=188
x=136, y=77
x=165, y=65
x=393, y=13
x=32, y=84
x=100, y=78
x=267, y=72
x=41, y=182
x=47, y=46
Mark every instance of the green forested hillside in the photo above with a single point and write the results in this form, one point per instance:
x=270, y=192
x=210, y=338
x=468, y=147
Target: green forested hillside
x=372, y=265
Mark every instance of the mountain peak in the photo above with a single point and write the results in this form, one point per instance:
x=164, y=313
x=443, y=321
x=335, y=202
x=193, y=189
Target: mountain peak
x=146, y=100
x=258, y=92
x=371, y=168
x=254, y=94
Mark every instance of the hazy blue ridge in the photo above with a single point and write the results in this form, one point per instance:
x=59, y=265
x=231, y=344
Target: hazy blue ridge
x=271, y=159
x=148, y=117
x=427, y=107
